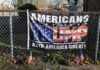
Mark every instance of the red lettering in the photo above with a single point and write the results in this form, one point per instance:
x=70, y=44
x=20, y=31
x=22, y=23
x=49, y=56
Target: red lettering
x=65, y=33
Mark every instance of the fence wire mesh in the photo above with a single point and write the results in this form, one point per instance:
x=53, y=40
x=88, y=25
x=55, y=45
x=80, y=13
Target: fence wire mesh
x=19, y=23
x=20, y=30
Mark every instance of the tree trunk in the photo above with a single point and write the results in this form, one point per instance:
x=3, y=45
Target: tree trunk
x=92, y=5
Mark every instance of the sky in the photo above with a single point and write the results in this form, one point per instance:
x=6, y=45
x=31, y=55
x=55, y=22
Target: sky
x=6, y=1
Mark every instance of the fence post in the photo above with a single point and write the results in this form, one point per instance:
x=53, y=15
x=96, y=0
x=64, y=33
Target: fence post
x=28, y=30
x=97, y=43
x=11, y=36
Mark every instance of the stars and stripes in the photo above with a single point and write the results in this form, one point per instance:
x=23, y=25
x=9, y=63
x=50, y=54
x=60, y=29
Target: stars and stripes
x=66, y=33
x=46, y=33
x=30, y=58
x=36, y=34
x=79, y=58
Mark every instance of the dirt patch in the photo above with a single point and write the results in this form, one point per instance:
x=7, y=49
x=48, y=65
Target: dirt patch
x=46, y=66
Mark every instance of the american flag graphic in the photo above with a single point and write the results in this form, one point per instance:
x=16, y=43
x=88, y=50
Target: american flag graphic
x=36, y=34
x=65, y=32
x=61, y=34
x=46, y=33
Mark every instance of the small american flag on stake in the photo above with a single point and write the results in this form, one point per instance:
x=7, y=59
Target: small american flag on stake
x=30, y=58
x=79, y=58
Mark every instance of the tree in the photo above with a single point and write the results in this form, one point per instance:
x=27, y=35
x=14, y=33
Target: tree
x=27, y=6
x=92, y=5
x=20, y=3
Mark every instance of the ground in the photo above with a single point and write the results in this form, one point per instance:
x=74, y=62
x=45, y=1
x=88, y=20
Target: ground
x=39, y=65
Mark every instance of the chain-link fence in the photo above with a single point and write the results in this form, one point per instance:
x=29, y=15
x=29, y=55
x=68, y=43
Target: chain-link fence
x=17, y=36
x=13, y=33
